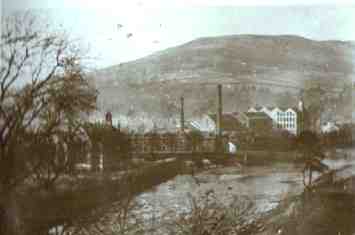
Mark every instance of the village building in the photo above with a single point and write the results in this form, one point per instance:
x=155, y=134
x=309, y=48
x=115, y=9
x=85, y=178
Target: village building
x=329, y=127
x=259, y=122
x=289, y=119
x=230, y=124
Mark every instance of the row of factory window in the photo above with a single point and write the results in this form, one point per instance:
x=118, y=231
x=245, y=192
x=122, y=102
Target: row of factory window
x=286, y=125
x=287, y=114
x=286, y=119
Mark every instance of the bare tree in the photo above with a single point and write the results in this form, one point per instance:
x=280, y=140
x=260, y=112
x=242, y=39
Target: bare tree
x=310, y=147
x=42, y=93
x=207, y=215
x=114, y=214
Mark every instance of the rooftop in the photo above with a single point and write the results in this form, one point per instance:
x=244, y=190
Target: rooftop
x=229, y=121
x=259, y=115
x=283, y=108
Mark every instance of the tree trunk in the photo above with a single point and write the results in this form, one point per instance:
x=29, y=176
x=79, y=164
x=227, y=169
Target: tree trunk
x=310, y=177
x=10, y=221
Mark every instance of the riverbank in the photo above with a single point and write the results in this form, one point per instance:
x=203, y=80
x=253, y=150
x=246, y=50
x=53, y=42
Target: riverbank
x=80, y=201
x=328, y=207
x=155, y=187
x=269, y=187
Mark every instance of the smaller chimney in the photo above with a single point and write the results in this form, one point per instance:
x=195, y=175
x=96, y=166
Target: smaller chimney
x=300, y=106
x=301, y=117
x=182, y=115
x=108, y=118
x=219, y=110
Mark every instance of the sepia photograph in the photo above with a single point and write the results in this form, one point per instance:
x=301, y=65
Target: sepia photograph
x=177, y=117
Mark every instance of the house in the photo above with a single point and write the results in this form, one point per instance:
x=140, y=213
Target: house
x=330, y=127
x=204, y=124
x=286, y=119
x=230, y=124
x=289, y=119
x=257, y=121
x=232, y=147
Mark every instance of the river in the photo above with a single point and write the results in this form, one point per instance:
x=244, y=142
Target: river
x=266, y=186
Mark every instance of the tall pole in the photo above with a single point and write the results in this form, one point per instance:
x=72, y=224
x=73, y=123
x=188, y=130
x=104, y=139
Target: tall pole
x=182, y=115
x=219, y=110
x=302, y=114
x=219, y=119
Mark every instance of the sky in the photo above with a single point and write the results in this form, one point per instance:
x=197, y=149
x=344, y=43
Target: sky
x=118, y=31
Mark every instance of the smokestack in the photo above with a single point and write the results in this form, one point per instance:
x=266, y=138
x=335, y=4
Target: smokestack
x=108, y=119
x=300, y=106
x=182, y=115
x=219, y=110
x=300, y=118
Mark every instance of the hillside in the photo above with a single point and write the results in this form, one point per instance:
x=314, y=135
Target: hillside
x=288, y=58
x=159, y=79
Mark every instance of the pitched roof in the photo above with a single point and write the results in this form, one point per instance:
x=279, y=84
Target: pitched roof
x=283, y=108
x=259, y=115
x=191, y=126
x=229, y=121
x=257, y=107
x=270, y=107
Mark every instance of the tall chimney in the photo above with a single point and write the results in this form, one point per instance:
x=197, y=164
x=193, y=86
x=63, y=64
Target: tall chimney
x=182, y=115
x=219, y=110
x=300, y=117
